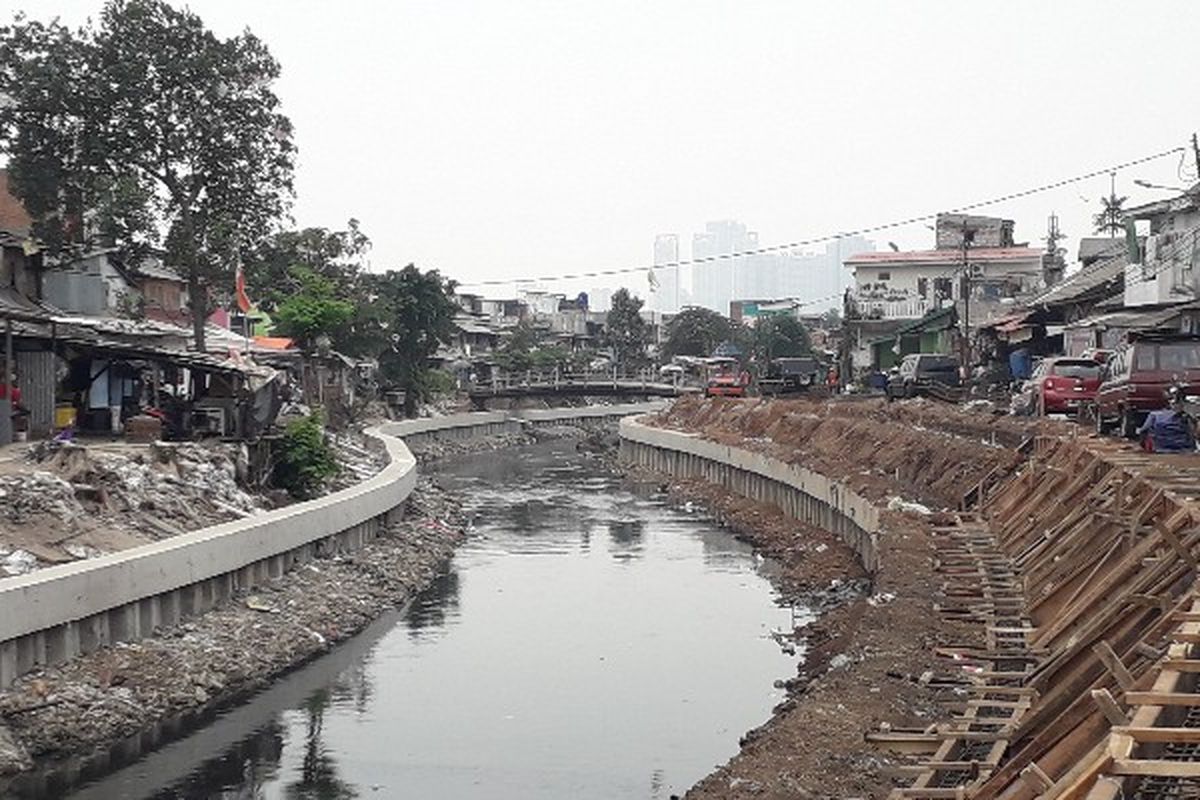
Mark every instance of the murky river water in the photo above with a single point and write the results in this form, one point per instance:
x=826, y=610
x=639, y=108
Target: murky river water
x=586, y=642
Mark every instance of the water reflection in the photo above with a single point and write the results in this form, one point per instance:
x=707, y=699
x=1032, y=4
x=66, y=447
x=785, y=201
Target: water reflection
x=623, y=664
x=244, y=769
x=435, y=604
x=318, y=778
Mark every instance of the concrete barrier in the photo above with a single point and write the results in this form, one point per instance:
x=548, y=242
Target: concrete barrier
x=798, y=492
x=54, y=614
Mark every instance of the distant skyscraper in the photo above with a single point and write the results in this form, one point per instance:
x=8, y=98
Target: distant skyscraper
x=666, y=297
x=816, y=278
x=716, y=282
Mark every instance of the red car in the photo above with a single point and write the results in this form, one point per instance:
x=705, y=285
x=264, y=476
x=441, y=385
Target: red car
x=726, y=385
x=1064, y=385
x=1137, y=377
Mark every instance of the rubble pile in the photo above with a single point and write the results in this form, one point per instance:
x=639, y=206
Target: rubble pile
x=187, y=484
x=433, y=449
x=233, y=649
x=25, y=495
x=358, y=458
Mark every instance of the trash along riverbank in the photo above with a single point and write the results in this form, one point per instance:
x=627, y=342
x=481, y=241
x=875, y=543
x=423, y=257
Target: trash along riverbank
x=97, y=701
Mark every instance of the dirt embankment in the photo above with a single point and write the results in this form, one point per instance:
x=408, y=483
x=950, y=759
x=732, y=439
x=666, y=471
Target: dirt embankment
x=869, y=659
x=230, y=651
x=918, y=449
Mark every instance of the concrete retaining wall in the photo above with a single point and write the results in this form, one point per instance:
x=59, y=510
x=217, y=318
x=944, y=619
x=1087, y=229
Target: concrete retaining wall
x=801, y=493
x=54, y=614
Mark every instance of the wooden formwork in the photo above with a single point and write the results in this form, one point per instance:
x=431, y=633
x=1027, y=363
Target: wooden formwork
x=1100, y=542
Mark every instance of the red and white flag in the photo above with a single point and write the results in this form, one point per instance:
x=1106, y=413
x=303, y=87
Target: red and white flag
x=243, y=300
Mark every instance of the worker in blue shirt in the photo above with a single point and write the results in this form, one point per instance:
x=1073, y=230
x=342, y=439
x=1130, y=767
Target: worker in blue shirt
x=1168, y=430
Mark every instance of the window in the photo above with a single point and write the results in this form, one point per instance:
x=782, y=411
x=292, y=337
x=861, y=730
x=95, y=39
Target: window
x=1179, y=356
x=885, y=276
x=1083, y=369
x=942, y=287
x=923, y=287
x=1143, y=357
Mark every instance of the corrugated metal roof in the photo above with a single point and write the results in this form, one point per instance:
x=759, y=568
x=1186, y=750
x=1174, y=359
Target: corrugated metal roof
x=1087, y=280
x=159, y=272
x=1132, y=318
x=978, y=255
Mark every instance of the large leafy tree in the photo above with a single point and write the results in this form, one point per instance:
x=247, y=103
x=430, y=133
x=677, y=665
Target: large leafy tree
x=696, y=332
x=314, y=310
x=147, y=130
x=780, y=336
x=336, y=256
x=625, y=332
x=401, y=318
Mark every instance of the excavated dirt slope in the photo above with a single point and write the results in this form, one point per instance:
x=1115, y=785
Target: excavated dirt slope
x=866, y=658
x=919, y=449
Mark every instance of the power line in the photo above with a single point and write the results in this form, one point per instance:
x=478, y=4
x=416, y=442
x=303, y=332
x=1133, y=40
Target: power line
x=600, y=273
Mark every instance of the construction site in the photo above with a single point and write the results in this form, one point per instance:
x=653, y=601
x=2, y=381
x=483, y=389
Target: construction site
x=1028, y=627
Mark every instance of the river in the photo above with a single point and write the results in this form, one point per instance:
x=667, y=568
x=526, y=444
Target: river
x=587, y=641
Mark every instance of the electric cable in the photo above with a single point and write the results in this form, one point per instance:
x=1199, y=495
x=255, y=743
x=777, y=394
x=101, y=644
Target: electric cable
x=600, y=273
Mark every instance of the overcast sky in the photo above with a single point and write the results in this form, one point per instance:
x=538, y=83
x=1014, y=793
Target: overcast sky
x=513, y=139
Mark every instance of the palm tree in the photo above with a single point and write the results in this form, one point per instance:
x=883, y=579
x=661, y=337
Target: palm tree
x=1109, y=220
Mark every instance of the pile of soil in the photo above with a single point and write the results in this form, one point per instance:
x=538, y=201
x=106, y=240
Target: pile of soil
x=916, y=449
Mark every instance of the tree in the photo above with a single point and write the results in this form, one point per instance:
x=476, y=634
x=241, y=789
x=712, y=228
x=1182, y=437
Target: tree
x=337, y=256
x=696, y=332
x=1109, y=220
x=516, y=353
x=780, y=336
x=313, y=310
x=147, y=131
x=625, y=332
x=402, y=317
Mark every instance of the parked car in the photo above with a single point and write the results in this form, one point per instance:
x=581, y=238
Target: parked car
x=726, y=384
x=1137, y=376
x=920, y=371
x=791, y=375
x=1097, y=354
x=1062, y=385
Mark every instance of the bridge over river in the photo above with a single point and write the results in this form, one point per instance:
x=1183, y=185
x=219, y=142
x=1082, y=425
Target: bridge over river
x=578, y=384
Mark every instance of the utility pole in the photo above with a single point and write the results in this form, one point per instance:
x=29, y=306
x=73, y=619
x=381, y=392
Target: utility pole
x=965, y=289
x=1196, y=154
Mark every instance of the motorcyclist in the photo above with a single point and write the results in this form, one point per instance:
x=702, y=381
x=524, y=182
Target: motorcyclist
x=1168, y=430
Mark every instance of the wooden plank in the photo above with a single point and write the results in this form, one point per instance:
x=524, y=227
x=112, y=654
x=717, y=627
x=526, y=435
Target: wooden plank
x=1162, y=699
x=1181, y=664
x=1162, y=769
x=1173, y=540
x=1112, y=662
x=1185, y=735
x=1109, y=707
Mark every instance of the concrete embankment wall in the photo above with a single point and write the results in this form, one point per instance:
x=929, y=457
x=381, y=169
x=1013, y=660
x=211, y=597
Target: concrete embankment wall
x=801, y=493
x=54, y=614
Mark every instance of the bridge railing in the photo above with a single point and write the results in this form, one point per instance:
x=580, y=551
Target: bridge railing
x=557, y=378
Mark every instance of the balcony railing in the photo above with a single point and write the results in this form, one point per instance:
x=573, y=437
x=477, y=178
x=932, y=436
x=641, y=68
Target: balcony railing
x=909, y=308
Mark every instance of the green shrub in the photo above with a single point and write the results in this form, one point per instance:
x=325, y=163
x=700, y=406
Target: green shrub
x=305, y=461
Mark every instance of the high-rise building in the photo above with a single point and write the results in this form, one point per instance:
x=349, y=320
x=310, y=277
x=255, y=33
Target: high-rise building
x=811, y=278
x=719, y=274
x=666, y=296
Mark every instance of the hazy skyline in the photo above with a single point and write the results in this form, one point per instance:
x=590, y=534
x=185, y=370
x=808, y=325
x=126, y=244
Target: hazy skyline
x=509, y=140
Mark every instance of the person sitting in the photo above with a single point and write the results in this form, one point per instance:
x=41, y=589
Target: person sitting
x=1167, y=431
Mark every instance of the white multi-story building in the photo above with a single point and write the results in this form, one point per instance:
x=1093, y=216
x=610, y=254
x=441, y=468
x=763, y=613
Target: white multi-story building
x=1167, y=267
